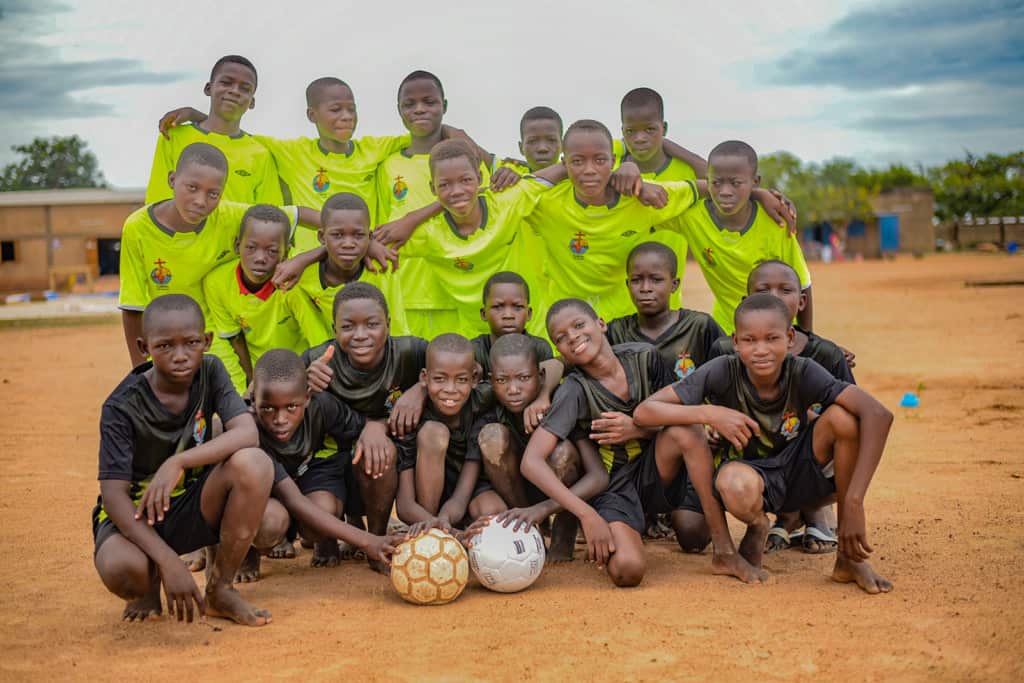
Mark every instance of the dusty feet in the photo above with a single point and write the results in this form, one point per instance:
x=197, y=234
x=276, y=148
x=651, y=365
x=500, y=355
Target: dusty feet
x=326, y=553
x=195, y=560
x=224, y=601
x=752, y=546
x=563, y=538
x=146, y=607
x=735, y=565
x=285, y=550
x=861, y=573
x=249, y=570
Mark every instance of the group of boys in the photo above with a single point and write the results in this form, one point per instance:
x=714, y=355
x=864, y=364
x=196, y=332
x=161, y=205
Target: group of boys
x=259, y=268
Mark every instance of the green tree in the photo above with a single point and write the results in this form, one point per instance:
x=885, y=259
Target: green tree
x=992, y=185
x=891, y=178
x=52, y=163
x=822, y=192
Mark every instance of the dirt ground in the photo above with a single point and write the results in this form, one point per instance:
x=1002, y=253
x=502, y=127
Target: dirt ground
x=944, y=515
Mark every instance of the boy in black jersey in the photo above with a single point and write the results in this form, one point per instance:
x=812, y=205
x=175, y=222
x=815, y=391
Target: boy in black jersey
x=372, y=372
x=777, y=458
x=309, y=477
x=506, y=310
x=167, y=486
x=439, y=481
x=502, y=434
x=646, y=466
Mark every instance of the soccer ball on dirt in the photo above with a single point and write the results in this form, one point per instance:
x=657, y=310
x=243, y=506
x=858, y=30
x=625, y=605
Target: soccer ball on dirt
x=507, y=561
x=431, y=569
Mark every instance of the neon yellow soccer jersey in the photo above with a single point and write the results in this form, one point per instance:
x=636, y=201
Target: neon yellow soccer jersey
x=726, y=257
x=310, y=174
x=587, y=246
x=252, y=174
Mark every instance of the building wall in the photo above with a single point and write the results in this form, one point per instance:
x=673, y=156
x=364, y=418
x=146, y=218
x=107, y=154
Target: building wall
x=915, y=207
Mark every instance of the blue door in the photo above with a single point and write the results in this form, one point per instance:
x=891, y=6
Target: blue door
x=889, y=229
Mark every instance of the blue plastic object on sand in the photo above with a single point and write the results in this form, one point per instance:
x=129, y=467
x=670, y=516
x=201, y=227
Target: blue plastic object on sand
x=910, y=400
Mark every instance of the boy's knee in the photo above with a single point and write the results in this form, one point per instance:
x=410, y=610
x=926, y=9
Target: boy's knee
x=494, y=441
x=125, y=577
x=273, y=526
x=565, y=461
x=627, y=571
x=841, y=421
x=740, y=486
x=432, y=439
x=251, y=466
x=692, y=533
x=685, y=437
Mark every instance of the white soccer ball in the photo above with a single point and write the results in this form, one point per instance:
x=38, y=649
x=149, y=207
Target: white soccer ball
x=507, y=561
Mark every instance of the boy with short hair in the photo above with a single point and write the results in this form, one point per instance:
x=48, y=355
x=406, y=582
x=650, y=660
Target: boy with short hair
x=245, y=306
x=253, y=177
x=646, y=467
x=439, y=482
x=777, y=458
x=309, y=470
x=167, y=485
x=501, y=435
x=731, y=232
x=540, y=142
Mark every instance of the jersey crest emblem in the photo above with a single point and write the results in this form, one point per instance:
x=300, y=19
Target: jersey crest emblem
x=399, y=189
x=199, y=428
x=244, y=325
x=790, y=425
x=709, y=256
x=161, y=275
x=394, y=393
x=463, y=264
x=816, y=408
x=321, y=183
x=684, y=365
x=579, y=245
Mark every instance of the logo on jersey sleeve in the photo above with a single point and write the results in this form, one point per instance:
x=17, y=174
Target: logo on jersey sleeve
x=161, y=275
x=579, y=245
x=816, y=408
x=199, y=428
x=462, y=264
x=399, y=189
x=628, y=233
x=242, y=172
x=790, y=425
x=684, y=365
x=394, y=393
x=709, y=256
x=244, y=325
x=321, y=183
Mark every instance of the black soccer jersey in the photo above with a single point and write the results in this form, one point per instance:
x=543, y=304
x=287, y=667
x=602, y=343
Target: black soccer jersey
x=480, y=400
x=684, y=346
x=581, y=399
x=138, y=433
x=482, y=351
x=373, y=394
x=803, y=385
x=822, y=351
x=326, y=416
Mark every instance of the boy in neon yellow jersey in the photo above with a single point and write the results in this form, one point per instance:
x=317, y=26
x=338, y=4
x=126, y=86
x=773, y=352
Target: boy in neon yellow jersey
x=253, y=176
x=247, y=309
x=731, y=232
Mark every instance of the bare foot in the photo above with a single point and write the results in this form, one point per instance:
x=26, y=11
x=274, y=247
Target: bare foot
x=226, y=602
x=195, y=560
x=752, y=545
x=326, y=553
x=379, y=567
x=563, y=538
x=736, y=565
x=249, y=570
x=305, y=542
x=146, y=607
x=861, y=573
x=285, y=550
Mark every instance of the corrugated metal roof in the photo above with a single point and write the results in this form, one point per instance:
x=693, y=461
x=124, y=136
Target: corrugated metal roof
x=66, y=197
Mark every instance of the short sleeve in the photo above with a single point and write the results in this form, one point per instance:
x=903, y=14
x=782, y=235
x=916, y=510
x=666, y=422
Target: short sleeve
x=817, y=385
x=225, y=325
x=380, y=148
x=473, y=440
x=720, y=347
x=134, y=294
x=794, y=256
x=709, y=379
x=158, y=188
x=659, y=372
x=307, y=315
x=115, y=445
x=543, y=349
x=681, y=196
x=267, y=189
x=226, y=401
x=567, y=408
x=280, y=473
x=713, y=333
x=341, y=422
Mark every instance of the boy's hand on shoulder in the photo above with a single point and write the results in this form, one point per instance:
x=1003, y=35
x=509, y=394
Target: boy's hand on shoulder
x=733, y=426
x=287, y=273
x=156, y=499
x=177, y=117
x=319, y=373
x=653, y=195
x=184, y=598
x=503, y=178
x=600, y=546
x=853, y=535
x=394, y=234
x=535, y=412
x=407, y=411
x=378, y=256
x=626, y=179
x=614, y=428
x=375, y=449
x=778, y=207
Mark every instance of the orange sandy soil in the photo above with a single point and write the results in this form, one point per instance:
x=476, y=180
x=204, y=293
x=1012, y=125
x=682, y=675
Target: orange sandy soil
x=944, y=515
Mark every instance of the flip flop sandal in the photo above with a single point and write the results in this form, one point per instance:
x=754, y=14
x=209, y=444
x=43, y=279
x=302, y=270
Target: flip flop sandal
x=824, y=539
x=778, y=539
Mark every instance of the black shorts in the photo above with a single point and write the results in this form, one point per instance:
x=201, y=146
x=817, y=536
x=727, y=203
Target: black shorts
x=325, y=474
x=636, y=490
x=451, y=479
x=183, y=528
x=690, y=500
x=793, y=479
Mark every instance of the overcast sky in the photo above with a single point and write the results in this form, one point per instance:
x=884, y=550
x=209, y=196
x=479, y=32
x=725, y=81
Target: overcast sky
x=876, y=80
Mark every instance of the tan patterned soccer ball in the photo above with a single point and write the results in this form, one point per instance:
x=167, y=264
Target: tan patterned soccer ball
x=431, y=569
